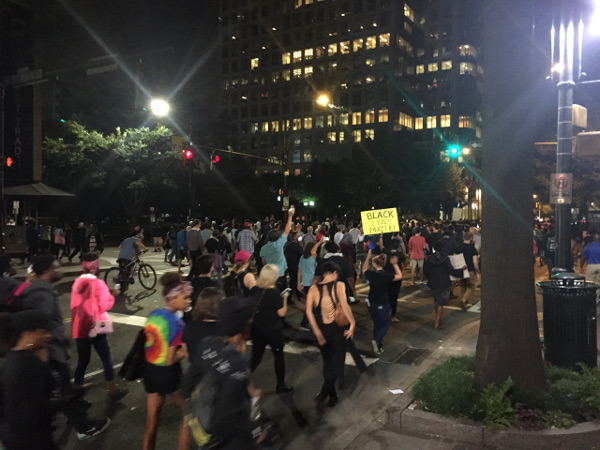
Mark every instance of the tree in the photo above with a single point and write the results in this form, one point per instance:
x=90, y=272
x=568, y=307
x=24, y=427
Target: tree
x=133, y=166
x=508, y=344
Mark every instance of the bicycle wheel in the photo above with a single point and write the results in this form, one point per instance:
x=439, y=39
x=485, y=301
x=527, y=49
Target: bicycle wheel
x=111, y=277
x=147, y=276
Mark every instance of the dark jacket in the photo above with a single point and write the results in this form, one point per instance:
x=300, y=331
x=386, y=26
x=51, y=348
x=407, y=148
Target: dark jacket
x=438, y=269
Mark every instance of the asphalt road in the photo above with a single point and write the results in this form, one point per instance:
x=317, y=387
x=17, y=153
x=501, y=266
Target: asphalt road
x=358, y=421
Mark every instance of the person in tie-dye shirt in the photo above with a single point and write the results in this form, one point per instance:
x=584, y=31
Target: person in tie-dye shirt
x=164, y=351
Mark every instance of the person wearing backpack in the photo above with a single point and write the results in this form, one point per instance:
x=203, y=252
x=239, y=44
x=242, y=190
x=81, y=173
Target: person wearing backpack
x=239, y=281
x=549, y=245
x=217, y=385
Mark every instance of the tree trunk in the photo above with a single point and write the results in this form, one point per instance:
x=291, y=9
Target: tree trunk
x=508, y=344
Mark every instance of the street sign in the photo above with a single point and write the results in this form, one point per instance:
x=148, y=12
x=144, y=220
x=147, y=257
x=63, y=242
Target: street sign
x=561, y=188
x=177, y=143
x=380, y=221
x=286, y=203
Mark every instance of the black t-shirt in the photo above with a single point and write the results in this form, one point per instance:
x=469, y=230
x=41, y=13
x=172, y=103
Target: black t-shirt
x=345, y=269
x=468, y=250
x=196, y=330
x=198, y=284
x=212, y=245
x=431, y=238
x=378, y=285
x=26, y=385
x=293, y=253
x=268, y=302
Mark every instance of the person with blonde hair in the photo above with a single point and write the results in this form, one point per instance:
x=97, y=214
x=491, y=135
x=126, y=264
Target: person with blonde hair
x=267, y=328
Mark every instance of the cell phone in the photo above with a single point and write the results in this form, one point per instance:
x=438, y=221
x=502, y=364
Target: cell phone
x=285, y=291
x=325, y=238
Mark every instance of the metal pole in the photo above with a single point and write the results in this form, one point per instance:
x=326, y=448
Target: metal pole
x=564, y=137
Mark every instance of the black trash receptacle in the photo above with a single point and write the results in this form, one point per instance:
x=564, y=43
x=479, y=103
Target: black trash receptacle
x=569, y=321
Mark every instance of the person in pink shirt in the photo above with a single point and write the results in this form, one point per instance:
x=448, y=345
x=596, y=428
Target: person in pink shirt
x=416, y=246
x=90, y=324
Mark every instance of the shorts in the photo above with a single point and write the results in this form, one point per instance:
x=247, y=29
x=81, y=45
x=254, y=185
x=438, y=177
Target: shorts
x=162, y=380
x=441, y=297
x=416, y=263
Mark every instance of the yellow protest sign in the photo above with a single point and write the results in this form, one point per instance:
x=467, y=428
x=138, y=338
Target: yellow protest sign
x=380, y=221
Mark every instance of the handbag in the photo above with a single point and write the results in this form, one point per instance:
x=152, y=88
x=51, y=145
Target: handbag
x=103, y=326
x=133, y=366
x=339, y=315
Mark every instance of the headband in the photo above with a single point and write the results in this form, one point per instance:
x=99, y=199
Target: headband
x=181, y=288
x=89, y=266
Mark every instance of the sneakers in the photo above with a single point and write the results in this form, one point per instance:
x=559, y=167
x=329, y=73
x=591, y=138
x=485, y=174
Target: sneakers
x=97, y=427
x=375, y=347
x=352, y=300
x=303, y=328
x=395, y=320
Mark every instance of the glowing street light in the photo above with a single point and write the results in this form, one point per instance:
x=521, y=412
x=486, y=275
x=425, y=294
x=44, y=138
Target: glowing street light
x=323, y=100
x=159, y=107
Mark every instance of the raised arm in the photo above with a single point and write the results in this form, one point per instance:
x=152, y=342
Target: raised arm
x=288, y=225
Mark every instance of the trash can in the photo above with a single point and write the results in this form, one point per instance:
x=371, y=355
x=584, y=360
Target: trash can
x=569, y=320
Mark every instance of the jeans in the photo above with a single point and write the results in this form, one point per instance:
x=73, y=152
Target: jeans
x=275, y=340
x=381, y=321
x=84, y=350
x=304, y=322
x=73, y=410
x=393, y=292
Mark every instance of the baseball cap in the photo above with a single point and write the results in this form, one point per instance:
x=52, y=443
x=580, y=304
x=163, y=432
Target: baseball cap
x=241, y=257
x=234, y=314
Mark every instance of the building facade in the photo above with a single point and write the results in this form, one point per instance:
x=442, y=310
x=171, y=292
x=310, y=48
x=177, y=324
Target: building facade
x=378, y=67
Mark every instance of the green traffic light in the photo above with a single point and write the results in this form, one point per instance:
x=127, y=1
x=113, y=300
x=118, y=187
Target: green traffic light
x=454, y=151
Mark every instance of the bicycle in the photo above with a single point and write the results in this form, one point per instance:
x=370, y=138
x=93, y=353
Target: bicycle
x=124, y=273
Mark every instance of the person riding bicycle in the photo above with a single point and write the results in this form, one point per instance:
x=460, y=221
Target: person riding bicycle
x=128, y=249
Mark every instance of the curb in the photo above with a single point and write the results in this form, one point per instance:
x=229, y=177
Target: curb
x=402, y=418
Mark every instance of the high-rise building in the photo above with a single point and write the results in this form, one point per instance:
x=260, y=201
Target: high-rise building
x=376, y=66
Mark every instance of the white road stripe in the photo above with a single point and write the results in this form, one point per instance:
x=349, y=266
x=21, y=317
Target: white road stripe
x=126, y=319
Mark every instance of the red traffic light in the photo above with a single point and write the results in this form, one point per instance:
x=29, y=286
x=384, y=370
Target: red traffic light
x=188, y=154
x=9, y=161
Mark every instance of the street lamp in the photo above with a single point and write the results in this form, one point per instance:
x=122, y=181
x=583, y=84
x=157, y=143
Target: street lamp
x=159, y=107
x=323, y=100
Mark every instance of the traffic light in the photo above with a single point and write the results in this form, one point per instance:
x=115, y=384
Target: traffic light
x=454, y=151
x=215, y=159
x=281, y=192
x=188, y=156
x=9, y=161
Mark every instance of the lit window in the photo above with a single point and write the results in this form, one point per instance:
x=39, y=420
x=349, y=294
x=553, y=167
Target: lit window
x=297, y=3
x=307, y=156
x=344, y=118
x=418, y=123
x=404, y=45
x=321, y=51
x=407, y=121
x=478, y=132
x=331, y=137
x=307, y=123
x=357, y=44
x=421, y=68
x=432, y=67
x=447, y=65
x=467, y=50
x=467, y=68
x=421, y=52
x=298, y=72
x=308, y=2
x=333, y=65
x=264, y=127
x=254, y=63
x=320, y=122
x=436, y=52
x=286, y=75
x=371, y=42
x=308, y=71
x=296, y=123
x=341, y=137
x=275, y=126
x=345, y=47
x=308, y=54
x=370, y=62
x=431, y=121
x=444, y=120
x=332, y=49
x=286, y=58
x=370, y=116
x=357, y=135
x=384, y=40
x=466, y=122
x=383, y=115
x=370, y=134
x=356, y=118
x=275, y=76
x=369, y=79
x=254, y=127
x=408, y=12
x=298, y=172
x=297, y=56
x=408, y=27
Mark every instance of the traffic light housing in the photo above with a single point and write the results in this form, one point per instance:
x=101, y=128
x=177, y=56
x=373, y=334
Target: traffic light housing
x=188, y=156
x=454, y=151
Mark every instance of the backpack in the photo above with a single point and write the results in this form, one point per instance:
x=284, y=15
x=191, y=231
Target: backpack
x=14, y=301
x=551, y=244
x=233, y=284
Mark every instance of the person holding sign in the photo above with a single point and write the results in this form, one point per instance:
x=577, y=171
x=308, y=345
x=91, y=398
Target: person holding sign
x=378, y=301
x=438, y=269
